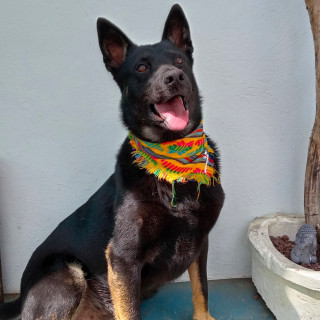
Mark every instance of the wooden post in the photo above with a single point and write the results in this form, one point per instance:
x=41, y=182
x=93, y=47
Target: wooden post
x=312, y=178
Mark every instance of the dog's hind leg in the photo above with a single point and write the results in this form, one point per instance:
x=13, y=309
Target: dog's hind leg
x=56, y=296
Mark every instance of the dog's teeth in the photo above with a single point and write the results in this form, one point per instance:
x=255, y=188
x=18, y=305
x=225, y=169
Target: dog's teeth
x=184, y=103
x=154, y=109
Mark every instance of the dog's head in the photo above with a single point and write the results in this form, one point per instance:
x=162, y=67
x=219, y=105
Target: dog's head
x=160, y=99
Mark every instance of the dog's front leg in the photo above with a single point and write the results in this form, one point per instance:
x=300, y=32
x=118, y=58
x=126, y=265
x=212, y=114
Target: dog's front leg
x=199, y=284
x=124, y=279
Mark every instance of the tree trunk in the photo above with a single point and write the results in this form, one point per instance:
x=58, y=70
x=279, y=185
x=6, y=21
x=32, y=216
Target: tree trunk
x=312, y=178
x=1, y=286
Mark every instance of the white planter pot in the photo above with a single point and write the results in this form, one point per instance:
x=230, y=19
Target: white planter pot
x=290, y=291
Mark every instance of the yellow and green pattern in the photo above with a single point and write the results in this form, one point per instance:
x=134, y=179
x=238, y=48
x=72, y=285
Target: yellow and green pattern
x=187, y=159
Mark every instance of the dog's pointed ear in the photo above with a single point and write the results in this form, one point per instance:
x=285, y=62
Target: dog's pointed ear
x=176, y=29
x=114, y=44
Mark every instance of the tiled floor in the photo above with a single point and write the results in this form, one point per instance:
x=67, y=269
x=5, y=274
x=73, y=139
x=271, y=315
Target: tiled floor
x=228, y=300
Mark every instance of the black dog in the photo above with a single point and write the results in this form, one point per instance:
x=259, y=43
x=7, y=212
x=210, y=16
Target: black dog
x=137, y=231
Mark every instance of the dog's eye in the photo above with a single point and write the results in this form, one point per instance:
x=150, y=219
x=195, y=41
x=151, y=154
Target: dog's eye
x=142, y=68
x=179, y=60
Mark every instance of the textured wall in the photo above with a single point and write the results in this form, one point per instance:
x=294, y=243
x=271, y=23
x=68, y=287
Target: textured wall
x=60, y=126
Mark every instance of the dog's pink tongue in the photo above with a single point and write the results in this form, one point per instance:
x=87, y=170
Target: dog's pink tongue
x=174, y=114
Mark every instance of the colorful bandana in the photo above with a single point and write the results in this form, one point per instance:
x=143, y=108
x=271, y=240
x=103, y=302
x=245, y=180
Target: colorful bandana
x=182, y=160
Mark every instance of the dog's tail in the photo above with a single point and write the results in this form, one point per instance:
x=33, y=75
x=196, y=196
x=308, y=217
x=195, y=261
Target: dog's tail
x=10, y=310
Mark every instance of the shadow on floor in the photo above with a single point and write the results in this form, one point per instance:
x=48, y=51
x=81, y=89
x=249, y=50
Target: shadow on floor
x=228, y=300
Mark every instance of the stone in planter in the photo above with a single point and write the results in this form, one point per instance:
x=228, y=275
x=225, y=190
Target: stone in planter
x=290, y=291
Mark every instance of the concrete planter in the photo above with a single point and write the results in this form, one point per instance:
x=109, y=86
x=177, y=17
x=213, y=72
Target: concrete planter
x=290, y=291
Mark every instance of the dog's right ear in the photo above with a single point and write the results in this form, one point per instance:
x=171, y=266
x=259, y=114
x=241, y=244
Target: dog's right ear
x=114, y=44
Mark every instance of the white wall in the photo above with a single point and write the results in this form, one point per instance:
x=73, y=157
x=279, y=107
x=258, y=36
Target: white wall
x=60, y=127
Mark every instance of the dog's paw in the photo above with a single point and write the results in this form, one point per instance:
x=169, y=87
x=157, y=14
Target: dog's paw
x=205, y=316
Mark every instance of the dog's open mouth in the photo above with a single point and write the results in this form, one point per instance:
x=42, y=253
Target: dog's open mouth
x=174, y=113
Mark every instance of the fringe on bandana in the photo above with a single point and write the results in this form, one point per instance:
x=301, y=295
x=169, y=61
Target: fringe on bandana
x=187, y=159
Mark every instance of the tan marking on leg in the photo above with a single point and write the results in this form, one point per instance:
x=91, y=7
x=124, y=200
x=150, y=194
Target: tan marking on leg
x=119, y=291
x=199, y=303
x=86, y=311
x=78, y=276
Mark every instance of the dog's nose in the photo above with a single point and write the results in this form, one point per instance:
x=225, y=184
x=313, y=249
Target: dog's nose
x=174, y=77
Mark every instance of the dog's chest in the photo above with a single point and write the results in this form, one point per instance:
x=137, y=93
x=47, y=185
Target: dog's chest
x=172, y=250
x=175, y=234
x=171, y=233
x=176, y=238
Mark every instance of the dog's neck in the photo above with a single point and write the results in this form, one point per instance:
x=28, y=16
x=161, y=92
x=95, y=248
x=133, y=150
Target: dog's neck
x=187, y=159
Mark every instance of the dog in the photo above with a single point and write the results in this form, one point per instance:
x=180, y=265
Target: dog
x=149, y=222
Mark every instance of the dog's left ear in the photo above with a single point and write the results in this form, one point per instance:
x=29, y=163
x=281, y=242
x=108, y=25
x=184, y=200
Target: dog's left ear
x=114, y=44
x=177, y=30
